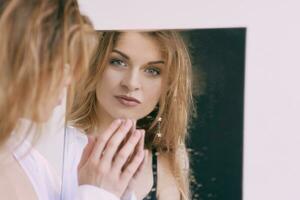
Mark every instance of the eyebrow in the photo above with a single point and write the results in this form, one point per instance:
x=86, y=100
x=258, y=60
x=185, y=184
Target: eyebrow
x=127, y=57
x=121, y=53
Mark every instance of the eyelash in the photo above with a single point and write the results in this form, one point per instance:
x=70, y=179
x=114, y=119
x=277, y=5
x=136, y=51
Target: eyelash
x=155, y=71
x=118, y=62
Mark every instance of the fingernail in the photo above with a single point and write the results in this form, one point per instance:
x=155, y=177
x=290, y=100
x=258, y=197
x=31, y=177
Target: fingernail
x=120, y=121
x=133, y=123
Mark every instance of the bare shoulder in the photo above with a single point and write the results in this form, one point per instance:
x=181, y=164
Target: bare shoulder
x=166, y=183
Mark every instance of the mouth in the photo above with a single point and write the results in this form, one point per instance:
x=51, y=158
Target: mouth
x=128, y=101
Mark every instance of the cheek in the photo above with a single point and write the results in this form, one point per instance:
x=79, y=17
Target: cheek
x=110, y=78
x=107, y=83
x=152, y=92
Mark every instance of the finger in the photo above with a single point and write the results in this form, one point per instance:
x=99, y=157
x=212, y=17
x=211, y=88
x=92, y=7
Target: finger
x=132, y=167
x=115, y=141
x=142, y=166
x=132, y=129
x=87, y=151
x=125, y=152
x=138, y=147
x=139, y=171
x=141, y=148
x=103, y=138
x=142, y=141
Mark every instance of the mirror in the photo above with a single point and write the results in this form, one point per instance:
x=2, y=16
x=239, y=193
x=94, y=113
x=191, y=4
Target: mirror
x=128, y=78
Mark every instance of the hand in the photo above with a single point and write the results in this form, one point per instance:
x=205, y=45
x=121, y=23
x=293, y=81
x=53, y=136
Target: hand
x=103, y=161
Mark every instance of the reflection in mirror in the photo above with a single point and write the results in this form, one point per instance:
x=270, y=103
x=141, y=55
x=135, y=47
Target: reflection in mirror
x=145, y=77
x=128, y=122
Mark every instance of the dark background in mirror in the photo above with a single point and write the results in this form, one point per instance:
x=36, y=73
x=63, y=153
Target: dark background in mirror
x=216, y=134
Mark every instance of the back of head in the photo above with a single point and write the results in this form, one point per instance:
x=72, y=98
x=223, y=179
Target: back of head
x=39, y=38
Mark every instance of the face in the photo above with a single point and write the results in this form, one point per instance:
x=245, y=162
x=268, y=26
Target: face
x=131, y=84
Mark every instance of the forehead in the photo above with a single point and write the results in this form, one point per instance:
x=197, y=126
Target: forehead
x=139, y=45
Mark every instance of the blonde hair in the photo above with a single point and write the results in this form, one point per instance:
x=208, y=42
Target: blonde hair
x=38, y=38
x=175, y=105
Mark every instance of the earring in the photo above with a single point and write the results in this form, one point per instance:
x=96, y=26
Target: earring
x=158, y=134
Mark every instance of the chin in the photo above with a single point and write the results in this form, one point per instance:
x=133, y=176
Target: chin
x=124, y=115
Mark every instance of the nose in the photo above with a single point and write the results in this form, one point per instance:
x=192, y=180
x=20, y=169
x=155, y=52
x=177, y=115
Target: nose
x=131, y=81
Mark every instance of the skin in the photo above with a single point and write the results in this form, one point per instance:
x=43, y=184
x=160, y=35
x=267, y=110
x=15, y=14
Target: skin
x=135, y=69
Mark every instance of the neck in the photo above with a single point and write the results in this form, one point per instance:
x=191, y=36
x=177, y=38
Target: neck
x=103, y=120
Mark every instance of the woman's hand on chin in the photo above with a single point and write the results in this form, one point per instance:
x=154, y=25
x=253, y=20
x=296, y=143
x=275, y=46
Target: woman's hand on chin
x=110, y=163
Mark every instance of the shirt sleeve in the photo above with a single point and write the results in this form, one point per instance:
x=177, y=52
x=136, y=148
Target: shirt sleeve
x=90, y=192
x=129, y=196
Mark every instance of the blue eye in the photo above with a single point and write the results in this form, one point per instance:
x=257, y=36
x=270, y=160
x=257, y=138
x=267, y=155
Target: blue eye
x=117, y=62
x=153, y=71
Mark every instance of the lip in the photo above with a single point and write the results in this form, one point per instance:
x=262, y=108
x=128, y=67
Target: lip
x=128, y=101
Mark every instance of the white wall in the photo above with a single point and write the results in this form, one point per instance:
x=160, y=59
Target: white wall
x=272, y=115
x=272, y=107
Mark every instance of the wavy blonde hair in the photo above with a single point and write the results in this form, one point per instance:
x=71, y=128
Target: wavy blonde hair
x=175, y=104
x=38, y=38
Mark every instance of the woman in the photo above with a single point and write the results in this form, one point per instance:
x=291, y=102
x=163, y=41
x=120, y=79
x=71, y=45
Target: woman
x=145, y=76
x=43, y=46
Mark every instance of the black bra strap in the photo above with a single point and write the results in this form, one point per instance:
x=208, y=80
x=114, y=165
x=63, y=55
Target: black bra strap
x=152, y=193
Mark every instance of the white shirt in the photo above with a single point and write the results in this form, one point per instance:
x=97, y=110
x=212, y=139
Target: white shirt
x=46, y=182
